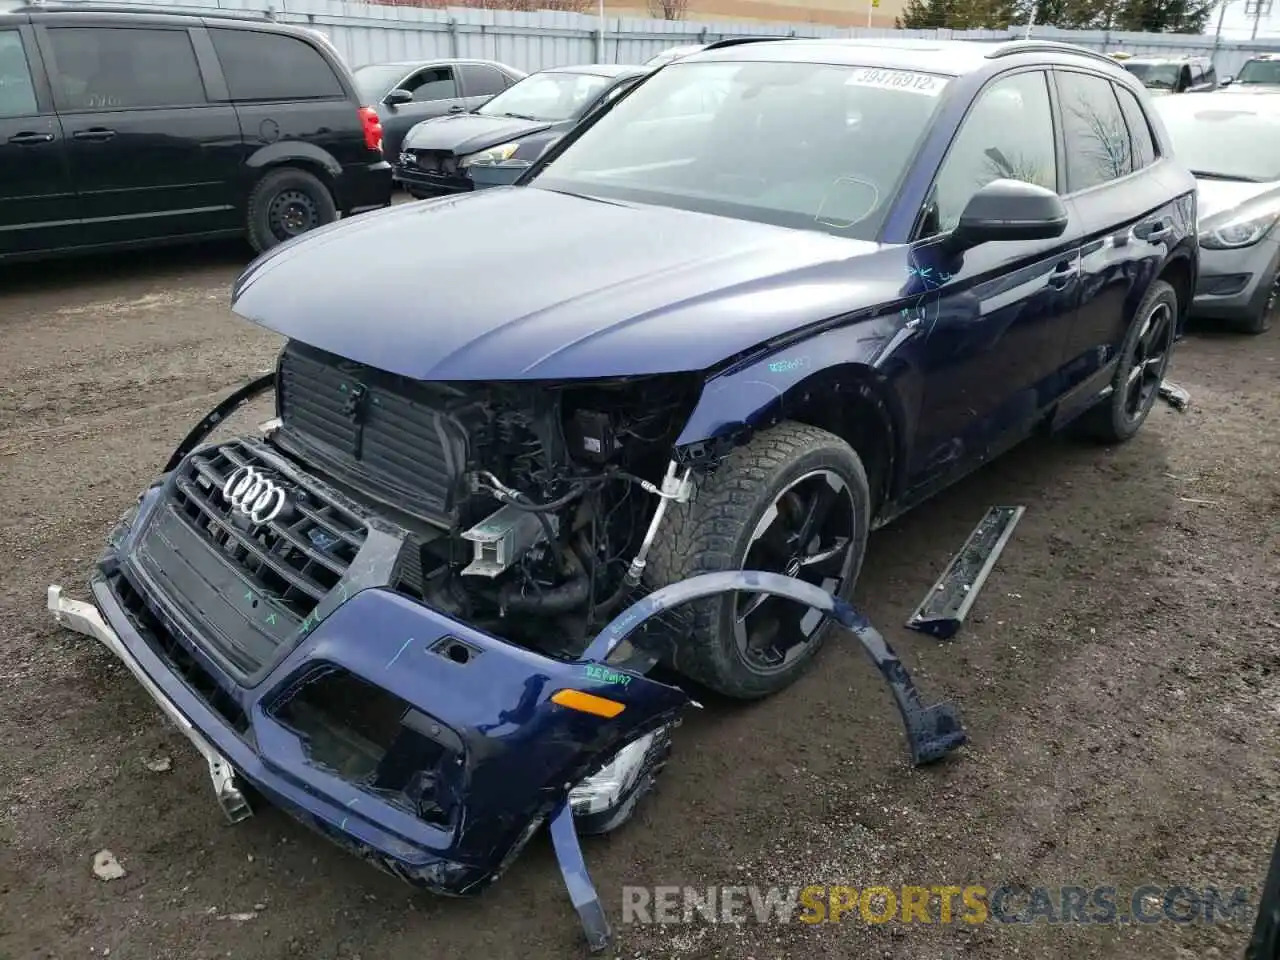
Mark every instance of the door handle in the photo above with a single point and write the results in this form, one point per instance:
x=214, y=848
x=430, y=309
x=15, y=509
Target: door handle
x=94, y=134
x=457, y=109
x=1153, y=232
x=1063, y=274
x=27, y=138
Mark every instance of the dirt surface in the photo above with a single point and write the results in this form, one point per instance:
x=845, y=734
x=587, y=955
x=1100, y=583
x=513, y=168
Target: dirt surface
x=1118, y=678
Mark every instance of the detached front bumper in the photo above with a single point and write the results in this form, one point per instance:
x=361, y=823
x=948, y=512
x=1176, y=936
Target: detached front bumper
x=476, y=742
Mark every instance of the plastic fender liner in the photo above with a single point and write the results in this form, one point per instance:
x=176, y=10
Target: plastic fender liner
x=219, y=413
x=932, y=732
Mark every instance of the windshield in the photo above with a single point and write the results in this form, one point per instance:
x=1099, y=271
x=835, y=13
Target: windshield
x=1162, y=76
x=547, y=96
x=1240, y=143
x=803, y=145
x=1260, y=71
x=374, y=81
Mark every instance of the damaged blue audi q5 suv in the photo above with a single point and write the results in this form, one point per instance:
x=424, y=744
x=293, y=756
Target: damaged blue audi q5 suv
x=544, y=452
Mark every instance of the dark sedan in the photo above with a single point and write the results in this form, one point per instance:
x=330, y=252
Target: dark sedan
x=497, y=142
x=409, y=91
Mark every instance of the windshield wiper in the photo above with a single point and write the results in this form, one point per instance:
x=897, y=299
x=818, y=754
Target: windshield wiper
x=520, y=116
x=1235, y=178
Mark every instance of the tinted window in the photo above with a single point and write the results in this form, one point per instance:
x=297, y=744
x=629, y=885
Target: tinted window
x=481, y=81
x=271, y=66
x=1097, y=139
x=17, y=95
x=1144, y=148
x=121, y=69
x=1197, y=74
x=811, y=146
x=438, y=83
x=1007, y=134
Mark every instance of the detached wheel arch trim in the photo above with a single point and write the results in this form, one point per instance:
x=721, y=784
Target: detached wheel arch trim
x=932, y=731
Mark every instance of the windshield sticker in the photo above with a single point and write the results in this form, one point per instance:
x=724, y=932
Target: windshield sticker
x=923, y=83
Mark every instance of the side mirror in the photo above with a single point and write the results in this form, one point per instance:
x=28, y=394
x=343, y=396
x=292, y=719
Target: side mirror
x=398, y=96
x=1009, y=210
x=1226, y=81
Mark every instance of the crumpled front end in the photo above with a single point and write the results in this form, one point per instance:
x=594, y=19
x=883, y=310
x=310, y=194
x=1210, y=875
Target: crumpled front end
x=431, y=748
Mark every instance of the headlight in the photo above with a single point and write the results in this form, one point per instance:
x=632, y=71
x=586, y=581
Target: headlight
x=1238, y=232
x=493, y=155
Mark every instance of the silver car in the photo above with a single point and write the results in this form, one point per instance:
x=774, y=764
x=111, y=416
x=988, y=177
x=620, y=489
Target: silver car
x=1232, y=146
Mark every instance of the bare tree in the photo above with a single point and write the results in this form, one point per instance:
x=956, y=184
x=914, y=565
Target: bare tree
x=668, y=9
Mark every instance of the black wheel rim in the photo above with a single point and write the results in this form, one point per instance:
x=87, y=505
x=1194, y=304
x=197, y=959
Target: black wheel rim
x=807, y=533
x=1149, y=360
x=292, y=212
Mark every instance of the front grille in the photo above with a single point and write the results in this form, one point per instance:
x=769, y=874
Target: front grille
x=161, y=641
x=252, y=587
x=438, y=162
x=398, y=440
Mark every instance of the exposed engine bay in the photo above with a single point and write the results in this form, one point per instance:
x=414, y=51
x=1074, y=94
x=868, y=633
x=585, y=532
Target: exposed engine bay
x=528, y=503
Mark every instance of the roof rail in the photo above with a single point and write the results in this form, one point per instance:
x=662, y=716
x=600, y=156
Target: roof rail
x=1013, y=47
x=125, y=6
x=735, y=41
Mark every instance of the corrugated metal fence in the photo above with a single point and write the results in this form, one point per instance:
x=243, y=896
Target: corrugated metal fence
x=369, y=33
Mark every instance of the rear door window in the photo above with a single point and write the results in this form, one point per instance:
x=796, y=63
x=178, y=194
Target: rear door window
x=17, y=92
x=124, y=68
x=273, y=66
x=1098, y=148
x=1144, y=148
x=479, y=80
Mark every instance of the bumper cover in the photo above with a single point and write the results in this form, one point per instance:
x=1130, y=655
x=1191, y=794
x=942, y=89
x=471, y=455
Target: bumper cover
x=1234, y=284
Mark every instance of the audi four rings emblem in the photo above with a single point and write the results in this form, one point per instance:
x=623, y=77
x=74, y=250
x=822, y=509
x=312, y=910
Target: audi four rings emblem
x=254, y=495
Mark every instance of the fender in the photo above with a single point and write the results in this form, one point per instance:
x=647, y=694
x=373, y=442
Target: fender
x=282, y=151
x=868, y=365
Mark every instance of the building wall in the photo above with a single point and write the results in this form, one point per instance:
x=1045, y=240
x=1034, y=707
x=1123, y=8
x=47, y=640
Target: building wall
x=828, y=12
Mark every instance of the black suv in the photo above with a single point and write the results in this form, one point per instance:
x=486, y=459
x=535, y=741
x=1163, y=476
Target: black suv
x=121, y=127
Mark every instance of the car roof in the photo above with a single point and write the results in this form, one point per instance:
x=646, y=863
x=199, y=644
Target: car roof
x=1155, y=59
x=949, y=57
x=410, y=64
x=600, y=69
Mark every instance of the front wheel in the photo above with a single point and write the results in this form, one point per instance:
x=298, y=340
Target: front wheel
x=795, y=501
x=1144, y=358
x=286, y=203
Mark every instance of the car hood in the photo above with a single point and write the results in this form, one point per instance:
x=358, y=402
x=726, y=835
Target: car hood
x=469, y=132
x=534, y=284
x=1218, y=196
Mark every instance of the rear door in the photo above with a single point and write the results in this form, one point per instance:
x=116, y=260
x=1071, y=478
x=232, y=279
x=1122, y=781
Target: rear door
x=1126, y=210
x=38, y=207
x=994, y=317
x=480, y=83
x=150, y=155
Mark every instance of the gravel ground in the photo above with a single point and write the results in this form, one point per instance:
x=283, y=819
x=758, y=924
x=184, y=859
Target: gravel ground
x=1118, y=678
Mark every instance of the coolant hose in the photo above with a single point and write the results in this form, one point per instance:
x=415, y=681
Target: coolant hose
x=562, y=599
